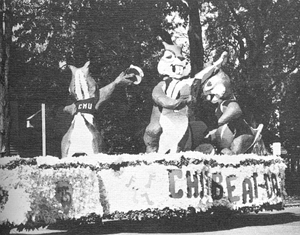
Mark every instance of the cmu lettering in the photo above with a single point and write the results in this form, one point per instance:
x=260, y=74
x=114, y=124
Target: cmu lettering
x=85, y=106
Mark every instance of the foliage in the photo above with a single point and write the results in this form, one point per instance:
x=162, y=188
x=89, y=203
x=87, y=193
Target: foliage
x=263, y=40
x=290, y=116
x=263, y=44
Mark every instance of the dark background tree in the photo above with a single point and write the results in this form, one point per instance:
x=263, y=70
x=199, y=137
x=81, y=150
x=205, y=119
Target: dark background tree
x=262, y=37
x=5, y=43
x=262, y=41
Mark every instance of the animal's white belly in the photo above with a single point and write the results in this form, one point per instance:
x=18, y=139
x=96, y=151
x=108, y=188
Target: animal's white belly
x=174, y=123
x=174, y=126
x=81, y=140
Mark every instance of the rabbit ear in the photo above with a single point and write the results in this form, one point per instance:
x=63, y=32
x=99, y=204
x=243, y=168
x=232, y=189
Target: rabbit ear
x=86, y=65
x=85, y=68
x=73, y=68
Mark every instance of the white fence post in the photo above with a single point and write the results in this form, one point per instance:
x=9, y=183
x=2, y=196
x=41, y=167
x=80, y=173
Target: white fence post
x=277, y=149
x=43, y=130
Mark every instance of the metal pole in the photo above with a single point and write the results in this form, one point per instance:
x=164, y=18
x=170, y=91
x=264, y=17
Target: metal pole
x=43, y=130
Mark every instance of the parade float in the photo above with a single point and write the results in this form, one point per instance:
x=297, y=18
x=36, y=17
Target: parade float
x=180, y=175
x=42, y=190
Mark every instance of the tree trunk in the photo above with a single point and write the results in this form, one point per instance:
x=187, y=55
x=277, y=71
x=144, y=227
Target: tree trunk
x=196, y=50
x=5, y=42
x=195, y=37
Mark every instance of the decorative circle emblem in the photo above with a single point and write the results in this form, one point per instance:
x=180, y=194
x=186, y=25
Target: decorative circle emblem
x=63, y=194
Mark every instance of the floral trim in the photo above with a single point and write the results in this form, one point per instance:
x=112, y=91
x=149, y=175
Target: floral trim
x=168, y=213
x=116, y=166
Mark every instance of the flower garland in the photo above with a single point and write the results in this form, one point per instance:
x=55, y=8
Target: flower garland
x=98, y=165
x=168, y=213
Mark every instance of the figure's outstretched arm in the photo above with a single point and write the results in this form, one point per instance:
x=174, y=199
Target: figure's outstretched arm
x=230, y=112
x=71, y=109
x=162, y=100
x=106, y=92
x=204, y=74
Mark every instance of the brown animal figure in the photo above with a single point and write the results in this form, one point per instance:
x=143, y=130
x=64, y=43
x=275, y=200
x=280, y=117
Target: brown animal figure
x=83, y=136
x=233, y=135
